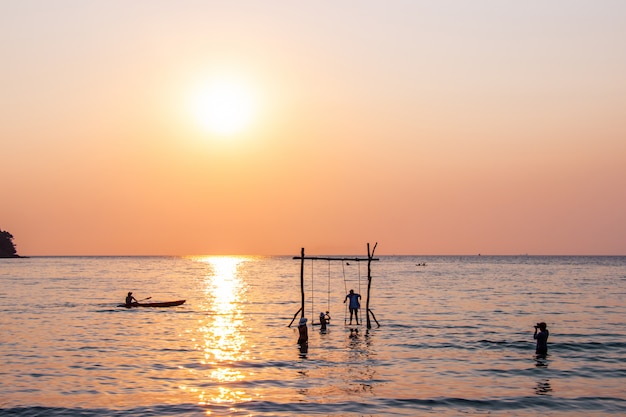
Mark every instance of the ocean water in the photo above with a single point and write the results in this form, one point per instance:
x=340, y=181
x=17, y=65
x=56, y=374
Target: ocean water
x=455, y=337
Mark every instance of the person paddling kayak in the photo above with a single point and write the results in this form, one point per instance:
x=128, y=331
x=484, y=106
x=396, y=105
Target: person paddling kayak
x=130, y=299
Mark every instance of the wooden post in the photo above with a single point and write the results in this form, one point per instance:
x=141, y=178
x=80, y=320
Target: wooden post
x=369, y=284
x=302, y=280
x=294, y=317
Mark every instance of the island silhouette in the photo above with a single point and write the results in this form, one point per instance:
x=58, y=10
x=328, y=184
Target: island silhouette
x=7, y=247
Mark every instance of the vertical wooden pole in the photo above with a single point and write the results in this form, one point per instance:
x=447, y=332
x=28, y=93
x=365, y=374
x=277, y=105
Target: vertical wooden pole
x=369, y=286
x=302, y=279
x=370, y=256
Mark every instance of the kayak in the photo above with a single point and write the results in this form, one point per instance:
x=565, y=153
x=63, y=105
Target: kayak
x=155, y=304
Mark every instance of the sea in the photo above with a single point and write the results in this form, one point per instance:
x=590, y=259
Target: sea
x=448, y=336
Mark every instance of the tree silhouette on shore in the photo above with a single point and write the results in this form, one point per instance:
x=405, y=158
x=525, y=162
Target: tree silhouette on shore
x=7, y=247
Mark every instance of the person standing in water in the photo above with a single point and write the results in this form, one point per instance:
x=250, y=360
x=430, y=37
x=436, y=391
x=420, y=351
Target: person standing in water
x=303, y=333
x=354, y=305
x=322, y=321
x=541, y=336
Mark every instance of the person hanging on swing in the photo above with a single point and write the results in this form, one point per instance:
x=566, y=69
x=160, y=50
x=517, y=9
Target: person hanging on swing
x=354, y=305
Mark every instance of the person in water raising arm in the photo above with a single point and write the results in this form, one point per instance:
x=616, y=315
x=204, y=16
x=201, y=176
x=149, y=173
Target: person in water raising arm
x=323, y=321
x=541, y=336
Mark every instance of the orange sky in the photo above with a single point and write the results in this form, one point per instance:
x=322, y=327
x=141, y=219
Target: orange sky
x=448, y=127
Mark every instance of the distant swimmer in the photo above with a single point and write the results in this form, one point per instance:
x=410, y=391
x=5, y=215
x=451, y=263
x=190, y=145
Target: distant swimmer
x=354, y=305
x=130, y=299
x=541, y=336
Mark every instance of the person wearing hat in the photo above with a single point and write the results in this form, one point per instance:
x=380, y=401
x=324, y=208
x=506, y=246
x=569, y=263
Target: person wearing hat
x=542, y=338
x=303, y=332
x=130, y=299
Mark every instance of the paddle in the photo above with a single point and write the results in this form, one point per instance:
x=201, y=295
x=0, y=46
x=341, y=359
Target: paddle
x=145, y=299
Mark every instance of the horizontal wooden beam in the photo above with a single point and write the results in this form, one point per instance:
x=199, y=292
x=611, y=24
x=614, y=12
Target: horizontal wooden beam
x=323, y=258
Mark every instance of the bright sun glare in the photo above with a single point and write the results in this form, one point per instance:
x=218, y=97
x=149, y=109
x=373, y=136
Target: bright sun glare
x=224, y=107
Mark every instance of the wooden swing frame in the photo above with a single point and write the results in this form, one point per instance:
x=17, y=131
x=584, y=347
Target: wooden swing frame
x=369, y=259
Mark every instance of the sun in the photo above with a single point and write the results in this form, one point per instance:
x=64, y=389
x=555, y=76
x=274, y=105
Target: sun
x=224, y=107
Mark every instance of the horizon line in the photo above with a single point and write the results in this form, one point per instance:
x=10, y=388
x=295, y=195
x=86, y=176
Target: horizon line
x=297, y=256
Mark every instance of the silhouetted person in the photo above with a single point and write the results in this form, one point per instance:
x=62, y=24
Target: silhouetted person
x=130, y=299
x=304, y=349
x=354, y=305
x=303, y=333
x=323, y=321
x=541, y=336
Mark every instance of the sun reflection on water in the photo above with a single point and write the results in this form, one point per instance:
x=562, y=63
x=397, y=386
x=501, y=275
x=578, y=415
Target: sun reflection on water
x=222, y=341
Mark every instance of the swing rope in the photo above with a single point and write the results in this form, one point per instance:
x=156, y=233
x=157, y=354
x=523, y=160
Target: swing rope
x=328, y=301
x=313, y=316
x=345, y=286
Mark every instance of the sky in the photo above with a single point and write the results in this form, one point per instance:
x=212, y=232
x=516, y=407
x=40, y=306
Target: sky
x=262, y=127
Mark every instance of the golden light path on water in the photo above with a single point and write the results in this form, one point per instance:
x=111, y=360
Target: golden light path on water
x=221, y=341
